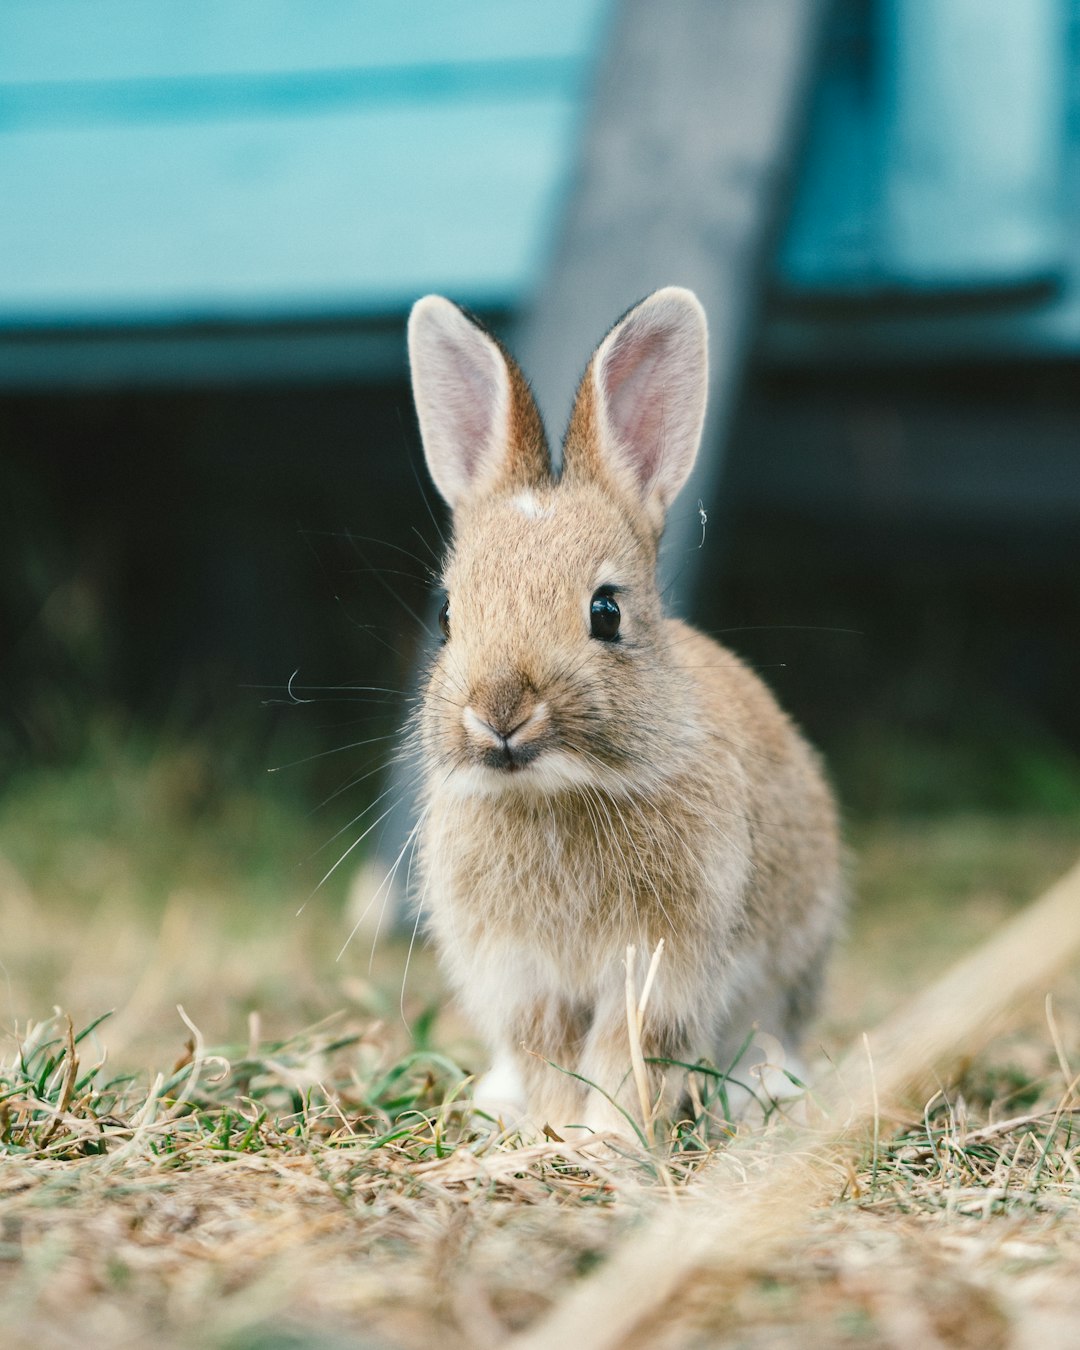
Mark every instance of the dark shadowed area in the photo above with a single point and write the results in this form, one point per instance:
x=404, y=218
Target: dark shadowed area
x=893, y=549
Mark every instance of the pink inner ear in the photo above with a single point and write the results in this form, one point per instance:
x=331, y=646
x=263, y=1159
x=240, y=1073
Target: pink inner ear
x=469, y=400
x=636, y=399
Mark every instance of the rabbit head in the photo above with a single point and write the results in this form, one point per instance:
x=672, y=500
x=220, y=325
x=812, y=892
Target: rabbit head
x=553, y=672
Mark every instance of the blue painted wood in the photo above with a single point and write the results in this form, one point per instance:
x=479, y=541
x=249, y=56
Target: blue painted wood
x=175, y=161
x=264, y=159
x=182, y=98
x=265, y=217
x=974, y=121
x=936, y=156
x=66, y=40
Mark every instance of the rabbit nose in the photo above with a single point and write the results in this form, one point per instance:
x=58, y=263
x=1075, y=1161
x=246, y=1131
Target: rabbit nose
x=501, y=702
x=504, y=731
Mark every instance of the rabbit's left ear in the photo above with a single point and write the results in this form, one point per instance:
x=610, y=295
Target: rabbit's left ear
x=640, y=408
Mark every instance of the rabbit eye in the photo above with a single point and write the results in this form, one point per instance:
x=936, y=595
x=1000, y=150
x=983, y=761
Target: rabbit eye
x=604, y=615
x=444, y=617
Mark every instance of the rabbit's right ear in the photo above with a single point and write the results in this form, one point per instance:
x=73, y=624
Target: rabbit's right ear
x=478, y=419
x=640, y=409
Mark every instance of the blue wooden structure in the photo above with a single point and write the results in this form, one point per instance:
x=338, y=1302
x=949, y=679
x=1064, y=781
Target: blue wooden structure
x=254, y=162
x=258, y=188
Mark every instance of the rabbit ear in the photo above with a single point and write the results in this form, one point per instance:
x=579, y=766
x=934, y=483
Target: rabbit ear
x=640, y=409
x=478, y=420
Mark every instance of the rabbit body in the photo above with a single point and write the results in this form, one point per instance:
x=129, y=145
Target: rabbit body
x=587, y=790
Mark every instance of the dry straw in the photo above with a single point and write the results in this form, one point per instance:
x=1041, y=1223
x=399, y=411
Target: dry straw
x=635, y=1021
x=760, y=1192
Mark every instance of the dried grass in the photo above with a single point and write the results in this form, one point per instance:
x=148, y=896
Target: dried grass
x=323, y=1187
x=329, y=1188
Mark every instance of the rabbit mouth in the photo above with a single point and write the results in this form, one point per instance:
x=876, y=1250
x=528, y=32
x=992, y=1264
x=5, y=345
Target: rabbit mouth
x=547, y=771
x=510, y=758
x=507, y=743
x=521, y=751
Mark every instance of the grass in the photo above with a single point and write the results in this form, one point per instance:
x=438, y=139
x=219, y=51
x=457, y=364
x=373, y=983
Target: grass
x=286, y=1160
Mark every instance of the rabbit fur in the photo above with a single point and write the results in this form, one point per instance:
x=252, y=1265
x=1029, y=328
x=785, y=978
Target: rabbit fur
x=582, y=793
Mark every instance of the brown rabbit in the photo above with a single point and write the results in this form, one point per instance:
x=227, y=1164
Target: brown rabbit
x=597, y=774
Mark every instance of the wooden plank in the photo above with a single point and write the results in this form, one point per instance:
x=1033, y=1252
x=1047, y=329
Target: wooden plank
x=71, y=360
x=352, y=213
x=283, y=93
x=255, y=159
x=972, y=164
x=921, y=173
x=68, y=40
x=683, y=172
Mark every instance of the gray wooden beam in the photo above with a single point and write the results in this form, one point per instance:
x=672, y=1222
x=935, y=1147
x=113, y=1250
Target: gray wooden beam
x=683, y=173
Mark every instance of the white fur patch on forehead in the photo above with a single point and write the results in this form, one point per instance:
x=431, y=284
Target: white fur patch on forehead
x=531, y=507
